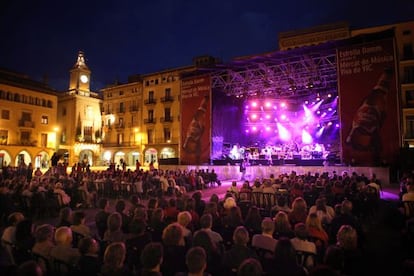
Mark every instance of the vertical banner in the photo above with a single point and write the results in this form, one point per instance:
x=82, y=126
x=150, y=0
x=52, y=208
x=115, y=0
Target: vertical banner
x=368, y=103
x=195, y=120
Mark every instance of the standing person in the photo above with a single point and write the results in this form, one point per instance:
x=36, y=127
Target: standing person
x=243, y=167
x=137, y=165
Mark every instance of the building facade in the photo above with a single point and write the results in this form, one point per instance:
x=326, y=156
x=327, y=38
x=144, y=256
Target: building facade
x=28, y=125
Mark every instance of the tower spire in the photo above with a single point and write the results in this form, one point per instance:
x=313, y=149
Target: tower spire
x=80, y=63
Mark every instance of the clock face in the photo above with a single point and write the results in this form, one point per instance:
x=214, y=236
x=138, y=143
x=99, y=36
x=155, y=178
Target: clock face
x=84, y=78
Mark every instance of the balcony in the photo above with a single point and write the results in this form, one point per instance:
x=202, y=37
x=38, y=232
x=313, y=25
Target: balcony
x=122, y=144
x=167, y=99
x=120, y=110
x=150, y=101
x=168, y=119
x=150, y=121
x=163, y=140
x=133, y=108
x=24, y=123
x=119, y=125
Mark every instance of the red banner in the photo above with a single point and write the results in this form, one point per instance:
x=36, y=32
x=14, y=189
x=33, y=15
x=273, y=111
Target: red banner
x=195, y=120
x=368, y=103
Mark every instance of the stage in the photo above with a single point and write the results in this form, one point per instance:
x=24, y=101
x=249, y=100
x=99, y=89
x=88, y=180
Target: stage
x=231, y=172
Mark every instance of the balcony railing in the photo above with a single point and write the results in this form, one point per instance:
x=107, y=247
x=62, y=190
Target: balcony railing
x=150, y=121
x=120, y=110
x=24, y=123
x=166, y=119
x=123, y=144
x=150, y=101
x=163, y=140
x=133, y=108
x=167, y=99
x=120, y=125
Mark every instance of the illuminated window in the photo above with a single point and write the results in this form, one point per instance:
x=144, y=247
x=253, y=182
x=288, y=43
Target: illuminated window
x=5, y=114
x=45, y=120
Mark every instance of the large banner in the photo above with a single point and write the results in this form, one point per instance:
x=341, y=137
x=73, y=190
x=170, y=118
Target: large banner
x=195, y=120
x=368, y=103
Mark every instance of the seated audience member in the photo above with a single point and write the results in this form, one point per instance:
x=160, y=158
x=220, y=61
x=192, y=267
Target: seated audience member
x=174, y=249
x=206, y=223
x=63, y=195
x=79, y=225
x=250, y=267
x=299, y=211
x=265, y=240
x=281, y=205
x=65, y=217
x=253, y=220
x=24, y=241
x=113, y=263
x=9, y=234
x=325, y=212
x=114, y=232
x=347, y=240
x=334, y=258
x=196, y=261
x=184, y=219
x=285, y=262
x=300, y=243
x=63, y=250
x=136, y=241
x=345, y=218
x=316, y=230
x=29, y=268
x=157, y=224
x=151, y=259
x=213, y=252
x=101, y=217
x=89, y=262
x=282, y=226
x=120, y=208
x=239, y=251
x=44, y=241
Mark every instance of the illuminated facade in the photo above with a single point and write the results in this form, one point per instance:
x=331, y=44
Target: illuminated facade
x=122, y=123
x=28, y=127
x=79, y=116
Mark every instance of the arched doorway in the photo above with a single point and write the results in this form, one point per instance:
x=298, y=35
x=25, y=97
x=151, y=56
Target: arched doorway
x=22, y=159
x=42, y=160
x=133, y=157
x=119, y=158
x=86, y=157
x=5, y=159
x=151, y=156
x=167, y=153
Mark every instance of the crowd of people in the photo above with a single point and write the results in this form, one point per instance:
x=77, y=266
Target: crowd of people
x=163, y=226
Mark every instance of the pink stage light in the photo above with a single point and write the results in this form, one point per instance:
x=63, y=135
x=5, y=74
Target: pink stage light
x=254, y=128
x=254, y=104
x=254, y=116
x=283, y=117
x=268, y=104
x=284, y=134
x=306, y=137
x=283, y=104
x=268, y=128
x=268, y=116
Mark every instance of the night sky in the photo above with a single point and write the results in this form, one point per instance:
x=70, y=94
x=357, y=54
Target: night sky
x=123, y=38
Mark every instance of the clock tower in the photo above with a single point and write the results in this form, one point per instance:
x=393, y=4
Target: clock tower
x=80, y=77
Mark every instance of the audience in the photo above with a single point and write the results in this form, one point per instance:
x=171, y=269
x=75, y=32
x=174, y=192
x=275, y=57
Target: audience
x=192, y=238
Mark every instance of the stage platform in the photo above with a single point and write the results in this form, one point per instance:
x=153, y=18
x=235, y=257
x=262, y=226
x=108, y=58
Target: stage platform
x=228, y=172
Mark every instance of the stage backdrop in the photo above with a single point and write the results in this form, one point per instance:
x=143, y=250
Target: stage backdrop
x=195, y=120
x=368, y=101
